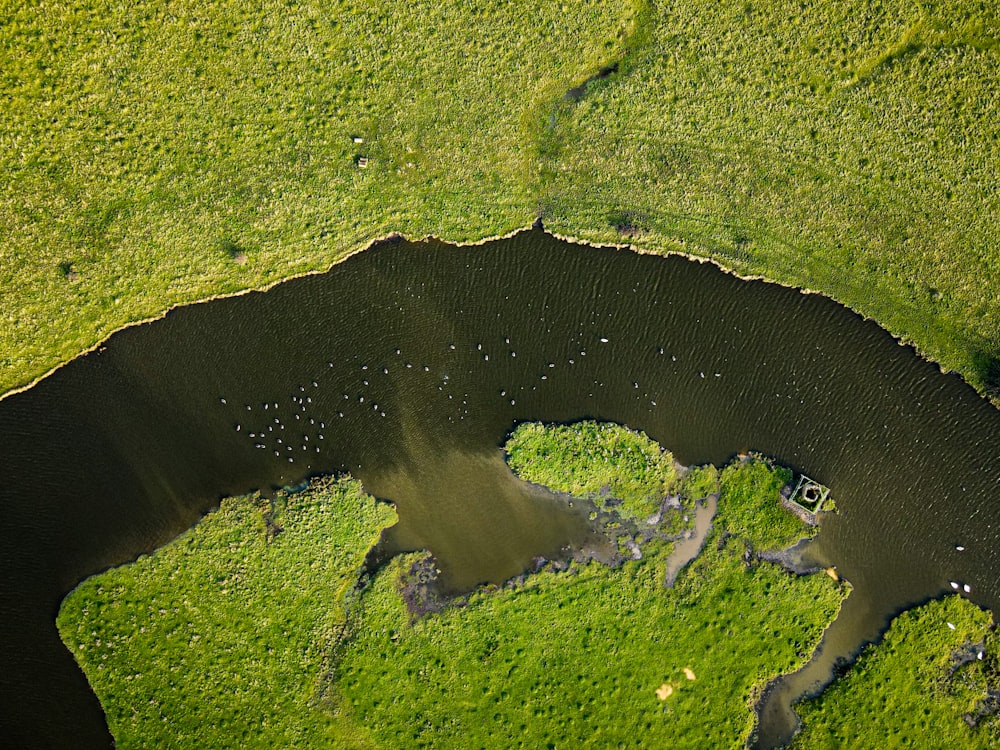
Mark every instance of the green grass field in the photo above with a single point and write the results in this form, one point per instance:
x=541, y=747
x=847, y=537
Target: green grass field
x=222, y=638
x=910, y=691
x=230, y=637
x=223, y=629
x=163, y=153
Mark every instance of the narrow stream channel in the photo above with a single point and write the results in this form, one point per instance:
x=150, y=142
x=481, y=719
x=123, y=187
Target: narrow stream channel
x=407, y=365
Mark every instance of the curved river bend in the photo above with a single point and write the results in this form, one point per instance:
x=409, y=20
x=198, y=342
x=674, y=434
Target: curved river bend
x=408, y=364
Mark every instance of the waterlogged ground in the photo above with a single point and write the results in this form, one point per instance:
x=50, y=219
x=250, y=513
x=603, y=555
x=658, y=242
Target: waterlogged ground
x=249, y=630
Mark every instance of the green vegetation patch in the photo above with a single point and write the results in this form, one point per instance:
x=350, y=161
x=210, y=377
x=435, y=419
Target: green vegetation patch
x=160, y=154
x=699, y=482
x=749, y=505
x=588, y=657
x=220, y=638
x=611, y=465
x=913, y=689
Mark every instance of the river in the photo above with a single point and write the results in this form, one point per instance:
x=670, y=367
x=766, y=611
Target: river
x=407, y=365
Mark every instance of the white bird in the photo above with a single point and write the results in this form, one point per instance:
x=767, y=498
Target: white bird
x=967, y=589
x=960, y=548
x=954, y=585
x=950, y=626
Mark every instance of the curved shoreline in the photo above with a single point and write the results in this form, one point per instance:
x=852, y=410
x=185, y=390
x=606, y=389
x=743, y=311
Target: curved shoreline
x=536, y=225
x=952, y=421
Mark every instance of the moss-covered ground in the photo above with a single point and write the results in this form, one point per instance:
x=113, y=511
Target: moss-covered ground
x=160, y=153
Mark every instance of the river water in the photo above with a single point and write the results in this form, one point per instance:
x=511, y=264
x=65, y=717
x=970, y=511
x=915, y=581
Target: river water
x=408, y=364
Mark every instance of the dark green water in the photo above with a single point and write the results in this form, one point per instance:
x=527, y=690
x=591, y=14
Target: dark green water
x=408, y=364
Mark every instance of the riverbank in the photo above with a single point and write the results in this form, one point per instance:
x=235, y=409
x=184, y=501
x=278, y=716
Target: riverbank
x=224, y=634
x=933, y=680
x=567, y=653
x=164, y=641
x=848, y=157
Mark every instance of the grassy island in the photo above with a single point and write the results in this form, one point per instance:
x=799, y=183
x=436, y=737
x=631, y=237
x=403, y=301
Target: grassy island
x=161, y=154
x=252, y=618
x=252, y=629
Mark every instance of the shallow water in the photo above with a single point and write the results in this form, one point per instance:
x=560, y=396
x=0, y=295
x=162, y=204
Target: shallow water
x=687, y=549
x=407, y=365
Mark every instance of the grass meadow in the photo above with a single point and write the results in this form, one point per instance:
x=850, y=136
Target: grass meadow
x=236, y=636
x=222, y=638
x=157, y=154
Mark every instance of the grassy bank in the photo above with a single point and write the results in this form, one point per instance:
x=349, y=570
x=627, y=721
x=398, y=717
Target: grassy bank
x=234, y=635
x=913, y=689
x=160, y=154
x=220, y=639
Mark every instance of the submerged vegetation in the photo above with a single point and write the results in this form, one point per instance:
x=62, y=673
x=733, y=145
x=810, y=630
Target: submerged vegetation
x=160, y=154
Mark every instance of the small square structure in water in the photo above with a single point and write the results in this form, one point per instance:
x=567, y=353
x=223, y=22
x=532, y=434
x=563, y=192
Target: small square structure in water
x=810, y=495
